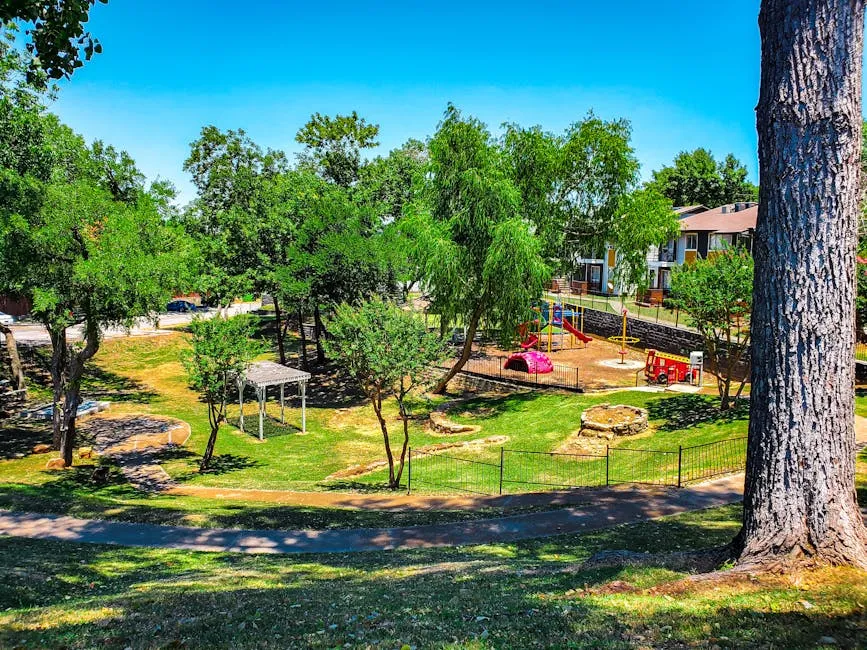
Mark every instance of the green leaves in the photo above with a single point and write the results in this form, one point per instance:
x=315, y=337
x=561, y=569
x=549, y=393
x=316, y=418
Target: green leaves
x=696, y=178
x=334, y=145
x=221, y=349
x=646, y=219
x=716, y=292
x=386, y=349
x=474, y=249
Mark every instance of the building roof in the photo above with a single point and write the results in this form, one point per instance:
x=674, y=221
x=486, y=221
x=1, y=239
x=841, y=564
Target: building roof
x=685, y=210
x=268, y=373
x=723, y=219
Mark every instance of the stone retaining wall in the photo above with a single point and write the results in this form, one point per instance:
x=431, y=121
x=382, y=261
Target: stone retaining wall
x=674, y=340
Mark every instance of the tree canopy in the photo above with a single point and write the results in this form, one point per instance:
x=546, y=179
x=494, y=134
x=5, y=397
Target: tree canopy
x=334, y=144
x=717, y=294
x=220, y=350
x=389, y=352
x=474, y=247
x=697, y=178
x=57, y=40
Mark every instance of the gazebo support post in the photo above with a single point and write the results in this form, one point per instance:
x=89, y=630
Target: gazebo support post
x=261, y=396
x=303, y=407
x=282, y=419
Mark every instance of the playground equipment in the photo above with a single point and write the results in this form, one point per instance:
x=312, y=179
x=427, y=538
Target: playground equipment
x=531, y=362
x=553, y=324
x=623, y=340
x=664, y=368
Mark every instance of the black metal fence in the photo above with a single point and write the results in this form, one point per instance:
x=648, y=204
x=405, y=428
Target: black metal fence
x=492, y=367
x=518, y=470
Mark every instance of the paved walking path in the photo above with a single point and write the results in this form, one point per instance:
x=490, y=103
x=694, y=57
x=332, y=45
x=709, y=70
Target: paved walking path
x=609, y=507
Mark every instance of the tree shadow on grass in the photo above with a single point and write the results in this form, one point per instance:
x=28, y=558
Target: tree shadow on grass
x=686, y=411
x=523, y=596
x=18, y=437
x=492, y=406
x=226, y=463
x=103, y=384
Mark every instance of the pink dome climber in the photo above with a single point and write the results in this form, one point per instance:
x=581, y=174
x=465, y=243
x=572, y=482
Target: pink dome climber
x=531, y=362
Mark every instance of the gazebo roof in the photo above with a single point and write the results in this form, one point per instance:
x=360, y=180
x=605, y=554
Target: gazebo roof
x=268, y=373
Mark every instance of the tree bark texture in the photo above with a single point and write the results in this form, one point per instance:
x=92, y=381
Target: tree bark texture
x=72, y=391
x=799, y=501
x=19, y=382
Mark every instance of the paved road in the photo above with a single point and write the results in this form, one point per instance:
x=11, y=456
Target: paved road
x=609, y=507
x=35, y=334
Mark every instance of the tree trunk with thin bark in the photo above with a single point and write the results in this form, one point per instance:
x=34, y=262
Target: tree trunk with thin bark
x=303, y=340
x=467, y=350
x=72, y=391
x=19, y=382
x=799, y=501
x=317, y=326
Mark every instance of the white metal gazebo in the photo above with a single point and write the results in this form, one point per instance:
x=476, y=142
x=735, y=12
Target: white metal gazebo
x=264, y=374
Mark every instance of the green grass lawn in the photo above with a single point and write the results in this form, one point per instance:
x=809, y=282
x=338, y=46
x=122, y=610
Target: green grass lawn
x=534, y=594
x=145, y=375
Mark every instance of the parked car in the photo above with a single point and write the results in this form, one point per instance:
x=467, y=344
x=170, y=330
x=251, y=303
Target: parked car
x=6, y=319
x=182, y=306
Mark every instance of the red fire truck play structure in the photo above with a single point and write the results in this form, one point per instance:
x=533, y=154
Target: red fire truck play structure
x=664, y=368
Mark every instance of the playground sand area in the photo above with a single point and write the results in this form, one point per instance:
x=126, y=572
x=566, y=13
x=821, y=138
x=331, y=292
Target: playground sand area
x=590, y=372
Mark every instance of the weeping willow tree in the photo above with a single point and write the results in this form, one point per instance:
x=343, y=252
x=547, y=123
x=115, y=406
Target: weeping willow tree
x=475, y=250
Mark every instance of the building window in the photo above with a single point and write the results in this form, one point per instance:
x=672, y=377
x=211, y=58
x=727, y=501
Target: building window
x=719, y=242
x=691, y=241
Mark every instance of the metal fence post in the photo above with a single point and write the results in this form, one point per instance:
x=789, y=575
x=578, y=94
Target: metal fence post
x=679, y=462
x=409, y=473
x=502, y=453
x=606, y=465
x=576, y=377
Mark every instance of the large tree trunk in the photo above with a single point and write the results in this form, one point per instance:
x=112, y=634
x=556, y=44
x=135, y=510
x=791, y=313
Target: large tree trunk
x=19, y=382
x=799, y=500
x=59, y=357
x=279, y=322
x=72, y=392
x=467, y=350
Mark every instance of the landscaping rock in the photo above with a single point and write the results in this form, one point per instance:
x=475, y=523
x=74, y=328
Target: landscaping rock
x=440, y=423
x=607, y=421
x=41, y=448
x=85, y=452
x=55, y=463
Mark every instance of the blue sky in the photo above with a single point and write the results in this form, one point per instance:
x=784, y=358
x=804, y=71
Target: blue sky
x=685, y=74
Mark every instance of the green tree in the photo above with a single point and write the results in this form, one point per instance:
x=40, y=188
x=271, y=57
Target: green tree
x=646, y=219
x=334, y=257
x=717, y=294
x=334, y=144
x=388, y=185
x=389, y=352
x=221, y=350
x=235, y=181
x=696, y=178
x=83, y=252
x=475, y=250
x=57, y=41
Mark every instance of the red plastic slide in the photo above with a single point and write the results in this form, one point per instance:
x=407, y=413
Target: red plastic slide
x=578, y=334
x=530, y=342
